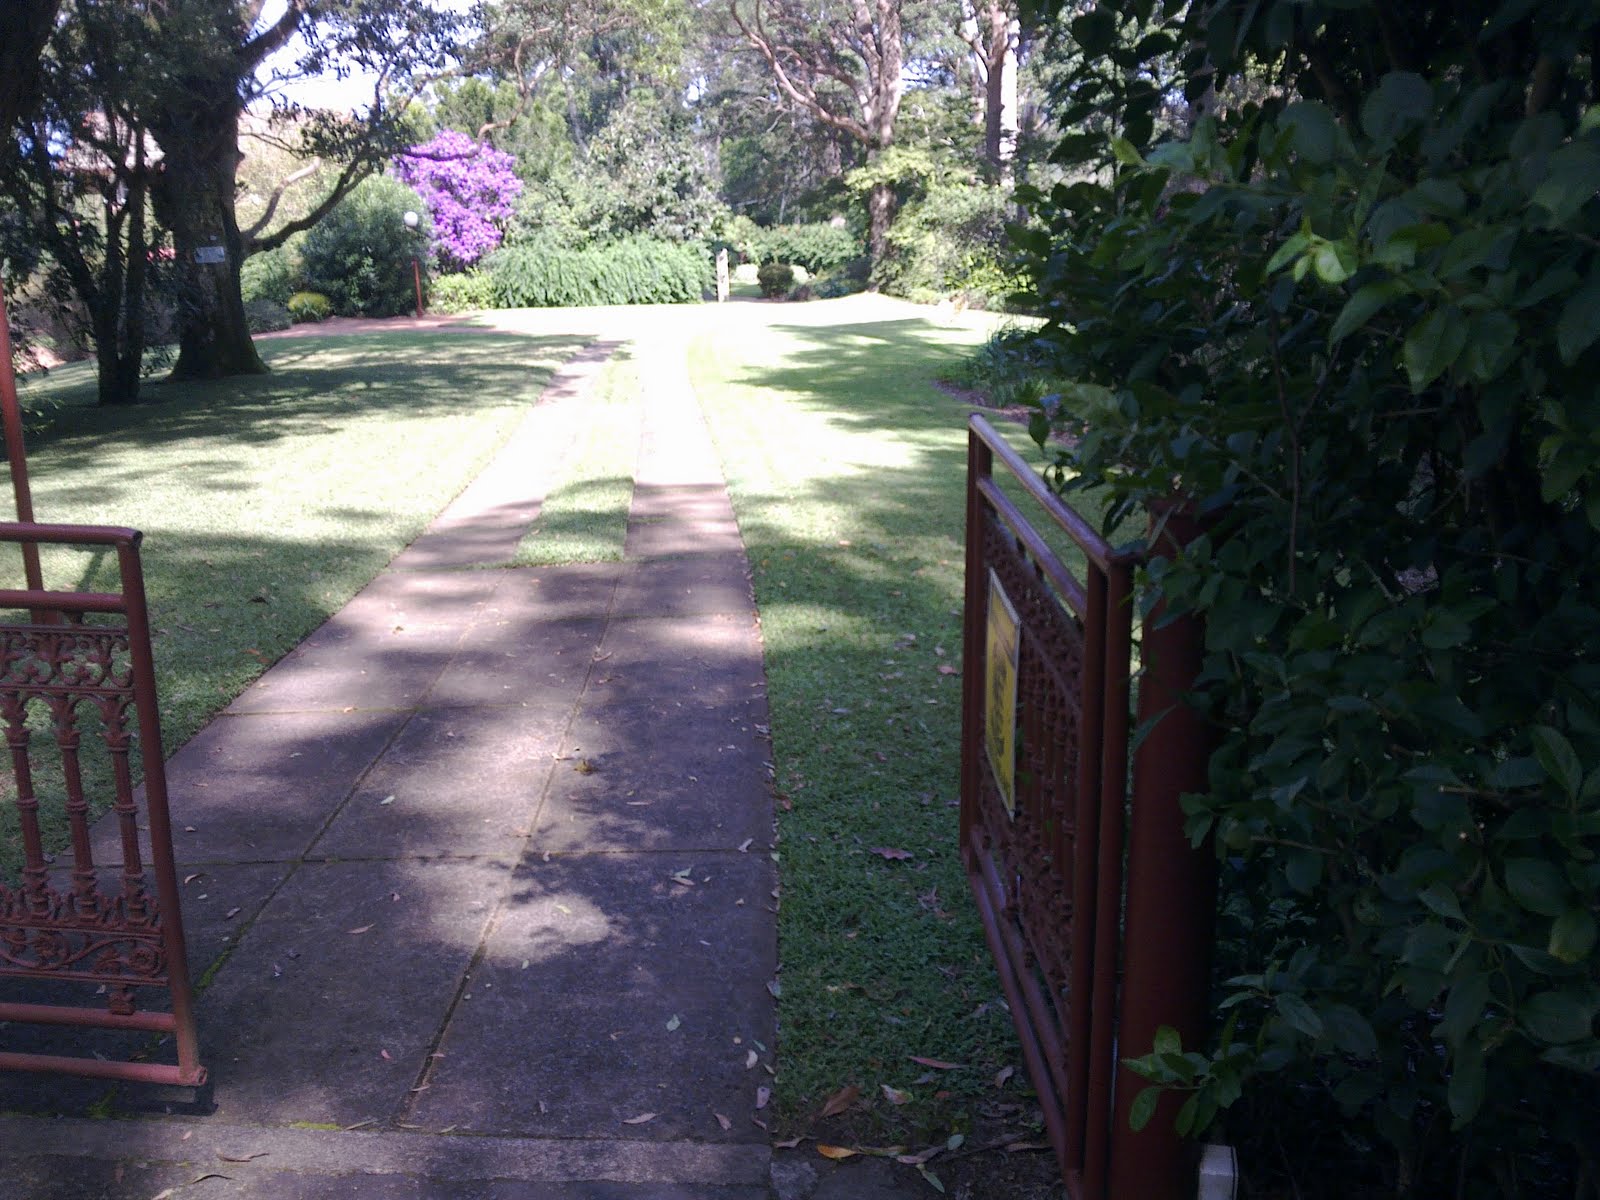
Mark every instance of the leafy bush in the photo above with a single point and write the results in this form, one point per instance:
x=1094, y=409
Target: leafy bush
x=633, y=271
x=462, y=293
x=266, y=316
x=269, y=275
x=1363, y=337
x=953, y=242
x=309, y=307
x=360, y=255
x=775, y=279
x=818, y=248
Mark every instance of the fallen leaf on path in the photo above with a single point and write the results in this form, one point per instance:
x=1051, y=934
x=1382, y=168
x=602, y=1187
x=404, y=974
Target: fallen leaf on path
x=241, y=1157
x=751, y=1058
x=359, y=929
x=387, y=800
x=763, y=1094
x=385, y=1055
x=673, y=1024
x=584, y=767
x=787, y=1143
x=920, y=1157
x=191, y=878
x=936, y=1063
x=1018, y=1147
x=890, y=853
x=208, y=1175
x=1004, y=1074
x=723, y=1121
x=840, y=1101
x=834, y=1152
x=640, y=1119
x=934, y=1181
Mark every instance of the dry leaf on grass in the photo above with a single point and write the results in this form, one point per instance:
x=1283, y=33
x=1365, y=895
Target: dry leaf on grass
x=723, y=1121
x=840, y=1101
x=890, y=853
x=936, y=1063
x=894, y=1095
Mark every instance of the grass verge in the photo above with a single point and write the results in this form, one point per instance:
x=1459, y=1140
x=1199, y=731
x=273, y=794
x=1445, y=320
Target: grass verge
x=584, y=518
x=267, y=502
x=846, y=468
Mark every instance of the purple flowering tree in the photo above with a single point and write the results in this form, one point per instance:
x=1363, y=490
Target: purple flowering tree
x=468, y=188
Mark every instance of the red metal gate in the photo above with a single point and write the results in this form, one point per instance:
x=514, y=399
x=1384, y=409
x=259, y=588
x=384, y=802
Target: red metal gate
x=82, y=661
x=1083, y=885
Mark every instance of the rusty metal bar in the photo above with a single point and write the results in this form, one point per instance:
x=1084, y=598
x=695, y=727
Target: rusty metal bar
x=1172, y=894
x=1038, y=549
x=1113, y=750
x=98, y=1018
x=980, y=462
x=1099, y=552
x=148, y=713
x=95, y=1068
x=16, y=450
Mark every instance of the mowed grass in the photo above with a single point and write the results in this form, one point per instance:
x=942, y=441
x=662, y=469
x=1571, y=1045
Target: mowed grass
x=266, y=502
x=846, y=468
x=584, y=517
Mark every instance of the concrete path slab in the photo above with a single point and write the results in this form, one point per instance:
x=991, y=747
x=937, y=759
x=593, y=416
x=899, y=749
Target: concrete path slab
x=479, y=875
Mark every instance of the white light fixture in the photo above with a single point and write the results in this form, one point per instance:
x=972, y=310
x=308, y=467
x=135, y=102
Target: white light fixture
x=411, y=219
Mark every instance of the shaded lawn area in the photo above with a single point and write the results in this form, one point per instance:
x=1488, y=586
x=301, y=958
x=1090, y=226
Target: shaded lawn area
x=847, y=472
x=266, y=502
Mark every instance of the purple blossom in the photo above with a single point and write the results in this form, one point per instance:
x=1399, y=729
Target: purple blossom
x=468, y=188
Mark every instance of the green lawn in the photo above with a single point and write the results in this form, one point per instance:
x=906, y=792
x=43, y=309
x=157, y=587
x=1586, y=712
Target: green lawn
x=847, y=467
x=267, y=502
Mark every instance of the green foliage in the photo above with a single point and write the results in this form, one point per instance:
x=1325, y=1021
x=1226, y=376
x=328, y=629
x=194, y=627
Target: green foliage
x=635, y=270
x=952, y=242
x=1359, y=333
x=270, y=275
x=309, y=307
x=818, y=247
x=360, y=254
x=266, y=316
x=775, y=279
x=465, y=292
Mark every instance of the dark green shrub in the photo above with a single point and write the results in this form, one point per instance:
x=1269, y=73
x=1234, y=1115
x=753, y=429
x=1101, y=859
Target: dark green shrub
x=818, y=248
x=953, y=242
x=846, y=280
x=309, y=307
x=360, y=254
x=266, y=316
x=466, y=292
x=775, y=279
x=1363, y=336
x=270, y=275
x=633, y=271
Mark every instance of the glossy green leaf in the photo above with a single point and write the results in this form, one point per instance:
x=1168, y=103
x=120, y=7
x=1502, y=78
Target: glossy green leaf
x=1537, y=886
x=1433, y=344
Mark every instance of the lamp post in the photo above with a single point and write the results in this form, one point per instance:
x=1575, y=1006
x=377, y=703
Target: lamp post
x=411, y=219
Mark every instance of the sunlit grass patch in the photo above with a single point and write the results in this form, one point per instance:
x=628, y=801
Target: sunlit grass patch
x=847, y=469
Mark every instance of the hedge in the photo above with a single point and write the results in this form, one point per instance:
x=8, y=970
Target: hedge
x=636, y=270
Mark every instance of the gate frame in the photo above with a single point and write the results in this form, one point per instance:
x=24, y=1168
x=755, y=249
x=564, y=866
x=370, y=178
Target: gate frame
x=1143, y=899
x=130, y=603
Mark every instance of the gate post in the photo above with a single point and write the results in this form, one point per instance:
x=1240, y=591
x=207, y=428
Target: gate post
x=1171, y=896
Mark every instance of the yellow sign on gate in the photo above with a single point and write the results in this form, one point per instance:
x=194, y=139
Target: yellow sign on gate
x=1000, y=710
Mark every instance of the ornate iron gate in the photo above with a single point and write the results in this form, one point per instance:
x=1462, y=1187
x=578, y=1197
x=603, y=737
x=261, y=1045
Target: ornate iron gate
x=1047, y=815
x=83, y=661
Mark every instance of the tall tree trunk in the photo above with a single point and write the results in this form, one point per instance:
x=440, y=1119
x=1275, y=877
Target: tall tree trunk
x=1000, y=98
x=195, y=200
x=880, y=216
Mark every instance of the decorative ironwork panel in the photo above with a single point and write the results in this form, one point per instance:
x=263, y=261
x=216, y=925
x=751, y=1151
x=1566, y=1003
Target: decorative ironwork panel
x=77, y=698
